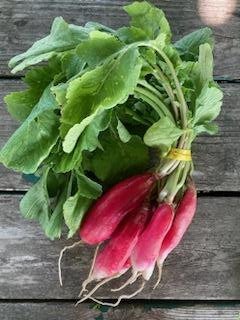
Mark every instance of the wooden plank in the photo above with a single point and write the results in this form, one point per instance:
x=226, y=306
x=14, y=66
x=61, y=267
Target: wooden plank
x=66, y=310
x=46, y=311
x=195, y=312
x=205, y=266
x=212, y=154
x=22, y=22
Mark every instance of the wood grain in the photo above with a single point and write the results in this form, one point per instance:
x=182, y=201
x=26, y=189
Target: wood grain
x=194, y=312
x=65, y=310
x=205, y=266
x=212, y=155
x=47, y=311
x=22, y=22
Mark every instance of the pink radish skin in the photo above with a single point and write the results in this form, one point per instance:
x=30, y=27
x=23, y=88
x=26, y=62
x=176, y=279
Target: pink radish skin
x=113, y=257
x=183, y=218
x=147, y=249
x=105, y=215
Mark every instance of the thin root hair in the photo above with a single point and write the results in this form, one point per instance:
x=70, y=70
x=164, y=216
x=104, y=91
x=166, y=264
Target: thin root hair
x=89, y=278
x=131, y=280
x=60, y=258
x=97, y=287
x=120, y=298
x=160, y=266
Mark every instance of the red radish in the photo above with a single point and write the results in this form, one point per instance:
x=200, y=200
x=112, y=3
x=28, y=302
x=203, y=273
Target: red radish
x=146, y=251
x=118, y=249
x=184, y=215
x=107, y=212
x=113, y=260
x=105, y=215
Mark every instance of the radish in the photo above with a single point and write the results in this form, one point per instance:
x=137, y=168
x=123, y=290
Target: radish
x=146, y=251
x=118, y=249
x=184, y=215
x=113, y=259
x=108, y=211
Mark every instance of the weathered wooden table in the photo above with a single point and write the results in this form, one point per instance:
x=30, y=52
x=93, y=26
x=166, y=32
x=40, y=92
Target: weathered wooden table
x=201, y=279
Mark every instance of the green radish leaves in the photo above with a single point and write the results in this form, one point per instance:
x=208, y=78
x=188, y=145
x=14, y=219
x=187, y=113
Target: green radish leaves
x=117, y=159
x=96, y=104
x=162, y=134
x=148, y=19
x=208, y=105
x=20, y=104
x=98, y=47
x=61, y=38
x=97, y=90
x=38, y=202
x=123, y=133
x=77, y=205
x=188, y=46
x=32, y=142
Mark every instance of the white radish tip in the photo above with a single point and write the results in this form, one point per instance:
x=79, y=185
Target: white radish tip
x=147, y=273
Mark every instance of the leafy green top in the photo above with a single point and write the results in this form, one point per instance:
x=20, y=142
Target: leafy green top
x=100, y=96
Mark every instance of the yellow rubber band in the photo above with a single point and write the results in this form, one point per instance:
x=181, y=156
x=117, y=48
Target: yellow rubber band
x=179, y=154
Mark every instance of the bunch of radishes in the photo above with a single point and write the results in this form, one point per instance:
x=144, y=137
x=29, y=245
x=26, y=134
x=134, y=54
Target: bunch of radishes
x=135, y=229
x=106, y=96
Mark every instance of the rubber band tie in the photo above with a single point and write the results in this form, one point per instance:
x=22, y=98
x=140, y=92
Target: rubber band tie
x=179, y=154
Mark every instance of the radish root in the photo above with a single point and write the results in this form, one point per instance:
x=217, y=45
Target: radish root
x=160, y=266
x=131, y=280
x=97, y=287
x=89, y=278
x=60, y=258
x=120, y=298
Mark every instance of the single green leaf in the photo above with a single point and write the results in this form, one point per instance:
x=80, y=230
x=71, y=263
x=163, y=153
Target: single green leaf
x=148, y=18
x=75, y=206
x=53, y=228
x=97, y=90
x=44, y=202
x=73, y=211
x=88, y=141
x=205, y=63
x=72, y=64
x=123, y=133
x=36, y=204
x=162, y=134
x=32, y=142
x=98, y=47
x=208, y=105
x=117, y=160
x=188, y=46
x=20, y=104
x=88, y=188
x=62, y=37
x=210, y=128
x=130, y=34
x=92, y=25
